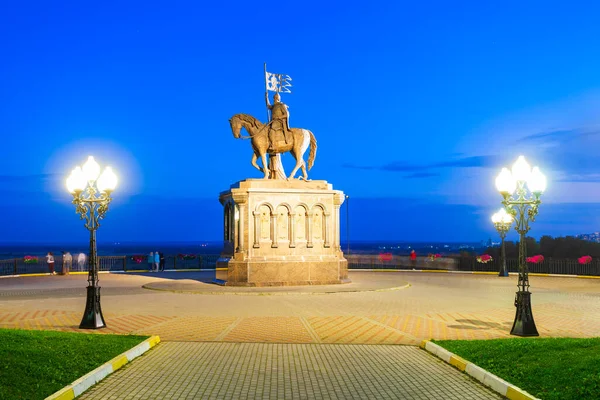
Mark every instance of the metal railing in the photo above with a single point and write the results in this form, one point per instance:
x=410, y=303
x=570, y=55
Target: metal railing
x=17, y=266
x=548, y=266
x=376, y=261
x=561, y=266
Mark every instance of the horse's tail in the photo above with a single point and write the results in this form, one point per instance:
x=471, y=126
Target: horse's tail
x=313, y=150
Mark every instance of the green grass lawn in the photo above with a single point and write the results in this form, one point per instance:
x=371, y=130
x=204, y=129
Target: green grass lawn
x=35, y=364
x=547, y=368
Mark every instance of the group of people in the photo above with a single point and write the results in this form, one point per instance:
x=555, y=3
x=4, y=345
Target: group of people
x=67, y=260
x=156, y=261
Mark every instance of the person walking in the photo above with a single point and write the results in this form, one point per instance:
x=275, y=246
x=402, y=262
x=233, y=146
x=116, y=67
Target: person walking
x=151, y=261
x=157, y=261
x=162, y=261
x=81, y=262
x=413, y=259
x=67, y=262
x=50, y=262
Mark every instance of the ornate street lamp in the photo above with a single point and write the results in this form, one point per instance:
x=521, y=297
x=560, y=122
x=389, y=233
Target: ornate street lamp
x=521, y=190
x=91, y=196
x=502, y=221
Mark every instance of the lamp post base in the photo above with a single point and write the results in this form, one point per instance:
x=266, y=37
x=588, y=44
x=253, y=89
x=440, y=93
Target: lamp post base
x=524, y=324
x=92, y=317
x=503, y=273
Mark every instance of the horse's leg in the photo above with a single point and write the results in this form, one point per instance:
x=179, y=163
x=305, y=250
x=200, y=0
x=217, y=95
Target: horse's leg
x=304, y=172
x=263, y=157
x=303, y=148
x=254, y=164
x=299, y=162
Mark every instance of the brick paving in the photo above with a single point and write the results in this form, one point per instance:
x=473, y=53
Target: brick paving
x=434, y=306
x=293, y=343
x=180, y=370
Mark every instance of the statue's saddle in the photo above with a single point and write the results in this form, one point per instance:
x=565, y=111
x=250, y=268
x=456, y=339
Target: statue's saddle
x=278, y=139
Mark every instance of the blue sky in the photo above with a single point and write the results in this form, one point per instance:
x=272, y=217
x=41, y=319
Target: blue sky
x=415, y=107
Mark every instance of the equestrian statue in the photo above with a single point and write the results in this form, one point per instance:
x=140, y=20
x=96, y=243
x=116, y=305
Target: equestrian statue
x=299, y=140
x=276, y=137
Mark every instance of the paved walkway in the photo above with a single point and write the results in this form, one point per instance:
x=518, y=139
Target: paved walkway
x=179, y=370
x=310, y=343
x=439, y=306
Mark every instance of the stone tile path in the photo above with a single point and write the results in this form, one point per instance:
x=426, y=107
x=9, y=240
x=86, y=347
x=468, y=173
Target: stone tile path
x=180, y=370
x=298, y=344
x=434, y=306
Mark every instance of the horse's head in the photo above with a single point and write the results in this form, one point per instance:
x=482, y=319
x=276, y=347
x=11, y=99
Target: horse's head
x=236, y=126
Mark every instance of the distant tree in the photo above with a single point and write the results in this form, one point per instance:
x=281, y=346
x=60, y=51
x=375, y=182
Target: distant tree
x=512, y=250
x=466, y=254
x=493, y=251
x=546, y=246
x=549, y=247
x=567, y=247
x=532, y=246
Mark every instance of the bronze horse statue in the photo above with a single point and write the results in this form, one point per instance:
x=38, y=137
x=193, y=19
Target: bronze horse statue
x=301, y=140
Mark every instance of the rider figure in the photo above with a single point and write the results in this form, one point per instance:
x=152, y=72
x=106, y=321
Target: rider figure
x=279, y=118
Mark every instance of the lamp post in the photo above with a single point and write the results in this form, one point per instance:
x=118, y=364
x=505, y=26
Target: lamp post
x=521, y=189
x=348, y=223
x=502, y=221
x=91, y=196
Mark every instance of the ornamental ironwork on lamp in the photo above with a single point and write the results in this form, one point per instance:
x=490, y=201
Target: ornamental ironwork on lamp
x=521, y=189
x=91, y=197
x=502, y=222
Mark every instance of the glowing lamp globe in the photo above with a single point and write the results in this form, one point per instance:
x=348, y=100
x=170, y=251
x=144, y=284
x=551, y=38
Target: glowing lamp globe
x=107, y=181
x=496, y=218
x=505, y=182
x=91, y=169
x=70, y=184
x=521, y=170
x=505, y=217
x=537, y=181
x=76, y=181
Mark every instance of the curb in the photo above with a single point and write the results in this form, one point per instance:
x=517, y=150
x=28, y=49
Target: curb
x=472, y=272
x=256, y=293
x=85, y=382
x=490, y=380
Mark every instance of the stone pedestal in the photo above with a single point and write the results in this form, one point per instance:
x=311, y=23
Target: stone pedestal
x=281, y=233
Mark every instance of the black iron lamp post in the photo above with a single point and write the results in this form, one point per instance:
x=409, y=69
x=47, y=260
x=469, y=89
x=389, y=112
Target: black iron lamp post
x=502, y=221
x=521, y=190
x=348, y=223
x=91, y=196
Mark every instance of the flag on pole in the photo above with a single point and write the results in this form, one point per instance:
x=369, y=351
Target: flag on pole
x=279, y=83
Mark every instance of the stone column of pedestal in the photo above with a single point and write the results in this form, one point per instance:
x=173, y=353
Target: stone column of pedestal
x=338, y=199
x=274, y=229
x=240, y=200
x=292, y=229
x=256, y=229
x=309, y=236
x=232, y=223
x=226, y=221
x=326, y=229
